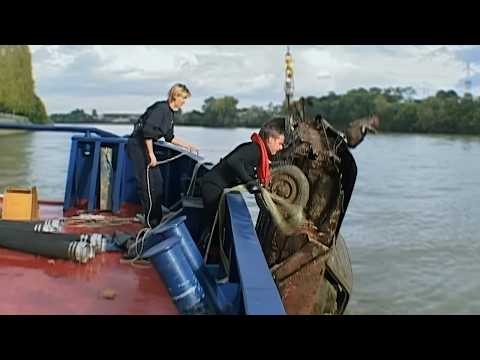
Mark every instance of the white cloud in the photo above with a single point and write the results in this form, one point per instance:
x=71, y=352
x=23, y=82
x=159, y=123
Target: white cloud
x=126, y=78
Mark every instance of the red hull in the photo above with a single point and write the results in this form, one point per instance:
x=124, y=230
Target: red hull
x=37, y=285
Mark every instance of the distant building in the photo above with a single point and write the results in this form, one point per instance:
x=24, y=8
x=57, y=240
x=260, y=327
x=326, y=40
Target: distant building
x=119, y=118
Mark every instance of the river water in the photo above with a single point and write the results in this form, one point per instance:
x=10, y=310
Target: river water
x=411, y=226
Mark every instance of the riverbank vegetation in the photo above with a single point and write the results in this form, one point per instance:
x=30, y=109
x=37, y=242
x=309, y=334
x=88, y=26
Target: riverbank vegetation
x=17, y=88
x=399, y=110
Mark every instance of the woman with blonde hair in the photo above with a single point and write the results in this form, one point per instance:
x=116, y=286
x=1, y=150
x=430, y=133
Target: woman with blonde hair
x=157, y=122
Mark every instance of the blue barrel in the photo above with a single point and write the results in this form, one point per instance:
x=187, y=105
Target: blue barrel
x=163, y=229
x=161, y=232
x=176, y=229
x=174, y=269
x=189, y=247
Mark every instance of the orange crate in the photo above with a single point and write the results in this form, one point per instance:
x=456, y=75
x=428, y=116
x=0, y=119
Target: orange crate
x=20, y=204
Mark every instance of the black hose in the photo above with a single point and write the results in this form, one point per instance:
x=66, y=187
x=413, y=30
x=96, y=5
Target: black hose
x=26, y=225
x=34, y=243
x=49, y=225
x=97, y=241
x=60, y=246
x=26, y=229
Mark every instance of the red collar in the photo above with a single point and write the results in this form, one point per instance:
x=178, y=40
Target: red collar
x=263, y=168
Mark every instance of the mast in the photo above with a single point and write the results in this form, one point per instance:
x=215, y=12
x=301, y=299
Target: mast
x=289, y=92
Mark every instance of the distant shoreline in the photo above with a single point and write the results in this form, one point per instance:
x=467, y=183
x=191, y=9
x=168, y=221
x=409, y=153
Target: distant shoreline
x=12, y=119
x=247, y=127
x=131, y=123
x=95, y=122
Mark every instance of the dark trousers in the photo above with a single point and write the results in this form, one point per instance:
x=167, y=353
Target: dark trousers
x=211, y=194
x=138, y=155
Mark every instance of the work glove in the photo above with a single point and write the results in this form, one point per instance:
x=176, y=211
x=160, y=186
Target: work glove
x=253, y=186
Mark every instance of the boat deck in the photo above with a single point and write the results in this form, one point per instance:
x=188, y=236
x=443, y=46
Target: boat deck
x=105, y=285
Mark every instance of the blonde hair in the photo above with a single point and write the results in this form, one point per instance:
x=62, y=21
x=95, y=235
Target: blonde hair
x=178, y=90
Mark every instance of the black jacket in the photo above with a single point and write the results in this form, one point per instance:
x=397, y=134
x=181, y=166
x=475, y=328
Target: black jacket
x=238, y=167
x=155, y=123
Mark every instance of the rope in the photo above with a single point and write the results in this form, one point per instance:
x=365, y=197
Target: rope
x=191, y=187
x=219, y=218
x=295, y=215
x=141, y=264
x=142, y=234
x=172, y=158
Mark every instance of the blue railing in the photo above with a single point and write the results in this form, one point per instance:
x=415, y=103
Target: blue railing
x=84, y=170
x=88, y=131
x=84, y=165
x=260, y=294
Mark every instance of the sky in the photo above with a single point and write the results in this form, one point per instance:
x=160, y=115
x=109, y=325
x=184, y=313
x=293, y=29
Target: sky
x=129, y=78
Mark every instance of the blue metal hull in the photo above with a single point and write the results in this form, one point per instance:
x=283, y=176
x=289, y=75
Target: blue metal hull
x=250, y=287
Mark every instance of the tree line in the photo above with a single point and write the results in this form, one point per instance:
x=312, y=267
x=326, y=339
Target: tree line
x=75, y=116
x=397, y=107
x=17, y=88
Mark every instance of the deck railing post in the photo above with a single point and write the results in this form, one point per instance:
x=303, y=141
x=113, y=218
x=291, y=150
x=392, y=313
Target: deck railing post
x=68, y=200
x=118, y=178
x=92, y=196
